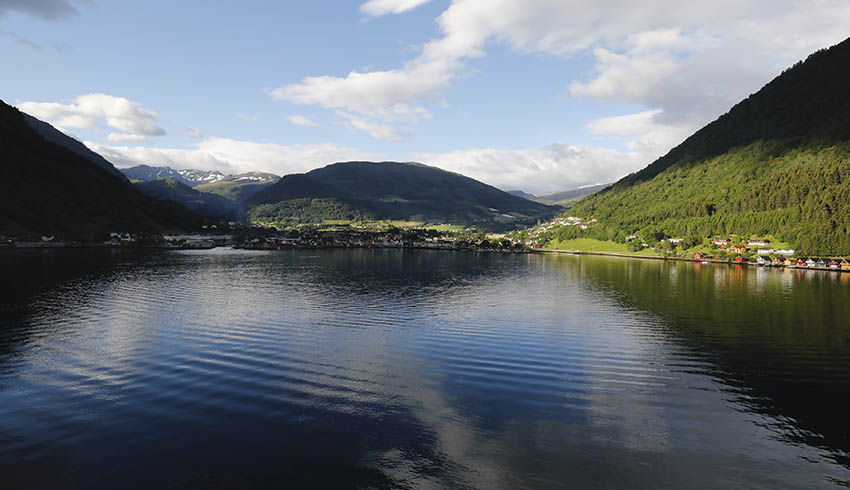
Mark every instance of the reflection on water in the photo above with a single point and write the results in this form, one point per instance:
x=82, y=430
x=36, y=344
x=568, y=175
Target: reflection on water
x=390, y=369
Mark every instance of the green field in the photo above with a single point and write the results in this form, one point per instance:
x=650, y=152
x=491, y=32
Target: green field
x=445, y=227
x=588, y=245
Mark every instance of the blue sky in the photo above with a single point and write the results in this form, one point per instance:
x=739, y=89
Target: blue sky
x=541, y=95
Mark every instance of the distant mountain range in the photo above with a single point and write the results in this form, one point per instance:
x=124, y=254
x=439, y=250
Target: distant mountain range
x=207, y=204
x=394, y=191
x=145, y=173
x=777, y=163
x=194, y=178
x=207, y=192
x=50, y=184
x=562, y=198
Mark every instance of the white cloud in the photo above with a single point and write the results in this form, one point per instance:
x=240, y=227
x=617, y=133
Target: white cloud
x=195, y=133
x=392, y=90
x=378, y=8
x=645, y=134
x=234, y=156
x=555, y=167
x=300, y=120
x=376, y=130
x=135, y=122
x=691, y=61
x=119, y=137
x=247, y=117
x=651, y=58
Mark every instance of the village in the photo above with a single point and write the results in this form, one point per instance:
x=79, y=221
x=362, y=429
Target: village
x=541, y=238
x=125, y=240
x=769, y=257
x=352, y=237
x=744, y=251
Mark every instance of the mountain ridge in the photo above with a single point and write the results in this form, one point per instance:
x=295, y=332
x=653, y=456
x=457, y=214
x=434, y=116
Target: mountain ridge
x=195, y=177
x=48, y=189
x=53, y=135
x=398, y=191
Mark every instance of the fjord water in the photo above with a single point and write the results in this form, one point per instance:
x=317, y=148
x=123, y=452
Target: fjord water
x=415, y=369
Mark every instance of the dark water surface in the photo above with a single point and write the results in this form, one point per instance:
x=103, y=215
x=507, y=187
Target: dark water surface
x=400, y=369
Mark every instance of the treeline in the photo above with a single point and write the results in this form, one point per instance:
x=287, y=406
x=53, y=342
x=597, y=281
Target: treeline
x=307, y=210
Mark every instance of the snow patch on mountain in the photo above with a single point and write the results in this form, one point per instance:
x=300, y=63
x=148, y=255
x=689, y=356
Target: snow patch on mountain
x=193, y=178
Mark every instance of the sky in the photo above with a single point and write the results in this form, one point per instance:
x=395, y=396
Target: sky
x=537, y=95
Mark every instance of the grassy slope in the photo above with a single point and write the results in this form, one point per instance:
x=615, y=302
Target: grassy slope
x=778, y=163
x=588, y=245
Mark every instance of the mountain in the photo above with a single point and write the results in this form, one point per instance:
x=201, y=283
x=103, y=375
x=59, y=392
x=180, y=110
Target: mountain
x=239, y=188
x=777, y=163
x=210, y=205
x=192, y=178
x=53, y=135
x=235, y=187
x=562, y=198
x=565, y=198
x=392, y=190
x=48, y=189
x=253, y=178
x=522, y=194
x=208, y=192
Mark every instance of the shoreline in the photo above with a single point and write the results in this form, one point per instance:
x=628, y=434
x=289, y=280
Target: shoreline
x=390, y=247
x=77, y=246
x=418, y=247
x=682, y=259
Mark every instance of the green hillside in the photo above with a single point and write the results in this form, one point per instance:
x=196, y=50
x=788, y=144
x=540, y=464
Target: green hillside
x=777, y=163
x=48, y=189
x=207, y=204
x=395, y=191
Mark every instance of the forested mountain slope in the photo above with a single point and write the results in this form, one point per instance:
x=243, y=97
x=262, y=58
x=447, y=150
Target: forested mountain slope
x=777, y=163
x=48, y=189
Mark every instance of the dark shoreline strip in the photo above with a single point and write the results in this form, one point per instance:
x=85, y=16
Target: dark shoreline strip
x=683, y=259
